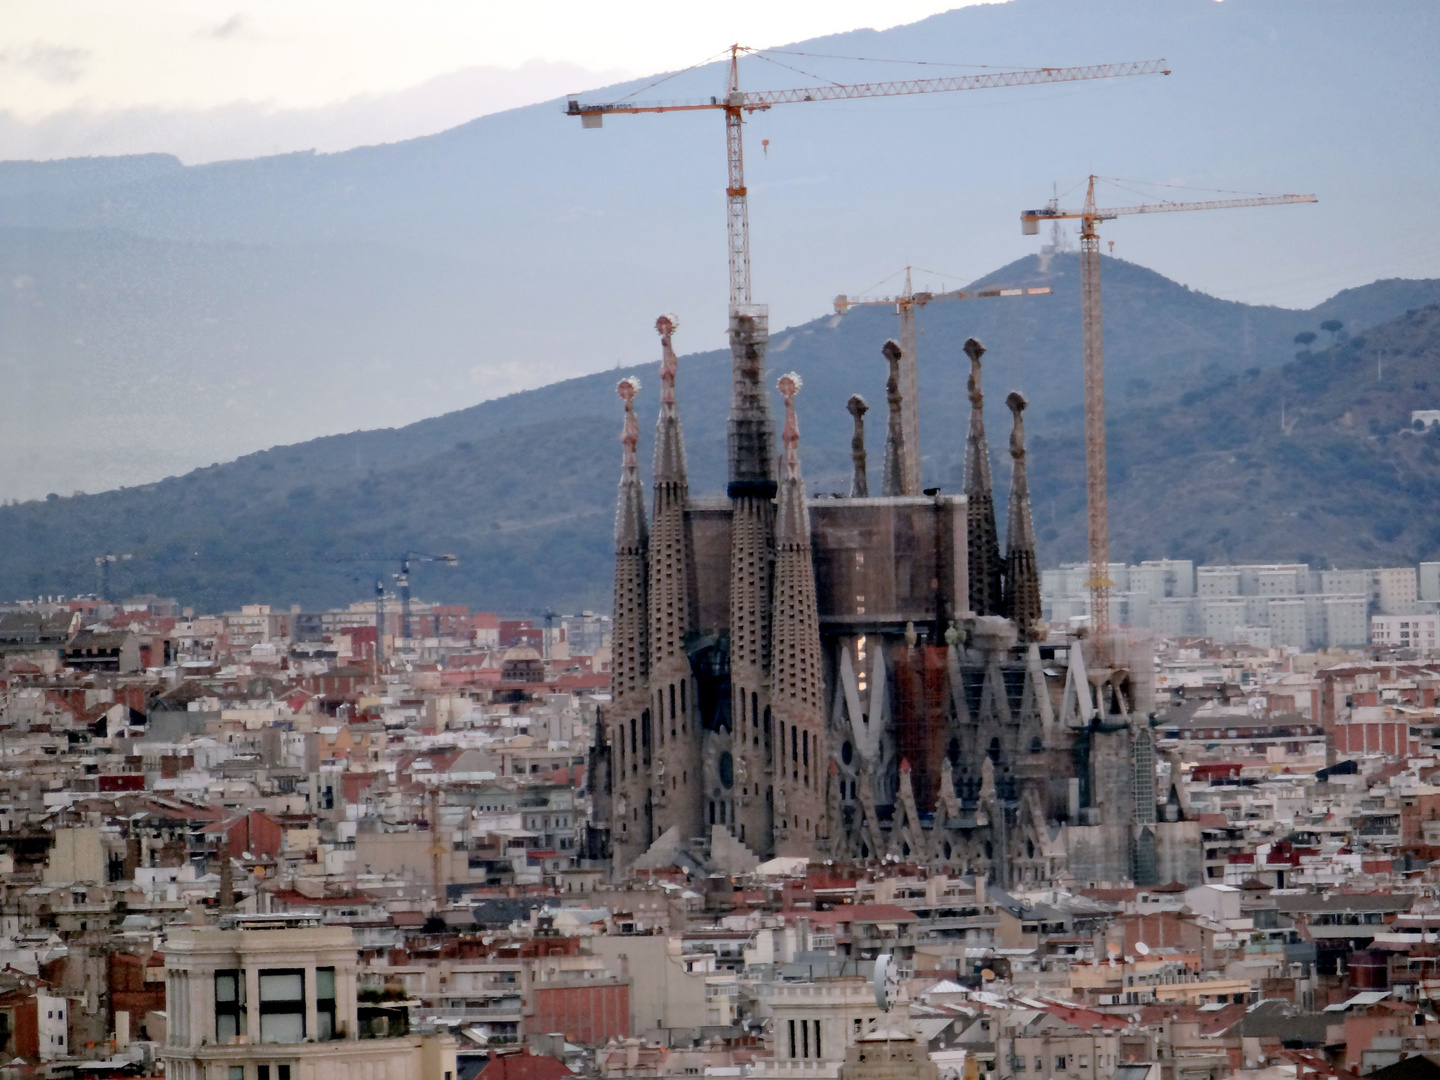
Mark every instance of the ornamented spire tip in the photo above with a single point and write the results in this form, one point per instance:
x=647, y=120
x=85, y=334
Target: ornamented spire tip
x=627, y=388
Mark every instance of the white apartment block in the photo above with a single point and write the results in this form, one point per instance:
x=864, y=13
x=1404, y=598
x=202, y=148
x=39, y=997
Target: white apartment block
x=1284, y=604
x=1418, y=632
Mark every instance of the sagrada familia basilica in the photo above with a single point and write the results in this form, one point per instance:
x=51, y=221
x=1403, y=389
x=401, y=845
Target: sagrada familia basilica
x=862, y=677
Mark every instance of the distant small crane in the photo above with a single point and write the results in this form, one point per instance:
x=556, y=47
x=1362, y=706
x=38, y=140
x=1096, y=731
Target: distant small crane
x=1097, y=524
x=905, y=305
x=402, y=584
x=102, y=571
x=550, y=616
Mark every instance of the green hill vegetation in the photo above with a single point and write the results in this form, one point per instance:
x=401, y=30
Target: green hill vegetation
x=522, y=488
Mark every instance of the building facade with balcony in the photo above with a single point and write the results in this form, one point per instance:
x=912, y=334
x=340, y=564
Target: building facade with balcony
x=274, y=998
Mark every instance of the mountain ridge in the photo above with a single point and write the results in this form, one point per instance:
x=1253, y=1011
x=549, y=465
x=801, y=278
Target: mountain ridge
x=328, y=292
x=522, y=487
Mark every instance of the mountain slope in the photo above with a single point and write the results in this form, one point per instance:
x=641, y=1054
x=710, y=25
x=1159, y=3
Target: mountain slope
x=388, y=283
x=522, y=488
x=1315, y=461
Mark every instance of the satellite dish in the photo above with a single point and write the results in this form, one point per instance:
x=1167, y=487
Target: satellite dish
x=1113, y=948
x=887, y=982
x=987, y=974
x=1142, y=948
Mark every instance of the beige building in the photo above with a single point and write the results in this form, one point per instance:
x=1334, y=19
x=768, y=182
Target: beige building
x=814, y=1025
x=273, y=998
x=889, y=1052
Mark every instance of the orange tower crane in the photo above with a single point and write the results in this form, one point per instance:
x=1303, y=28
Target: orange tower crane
x=735, y=103
x=905, y=306
x=1097, y=523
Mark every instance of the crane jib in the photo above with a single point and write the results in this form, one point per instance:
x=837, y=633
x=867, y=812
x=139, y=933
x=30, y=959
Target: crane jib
x=757, y=100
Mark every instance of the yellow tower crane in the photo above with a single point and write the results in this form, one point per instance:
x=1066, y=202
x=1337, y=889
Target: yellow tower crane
x=905, y=305
x=1097, y=524
x=736, y=103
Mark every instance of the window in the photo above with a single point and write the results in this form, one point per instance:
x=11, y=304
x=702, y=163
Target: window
x=792, y=1038
x=237, y=1072
x=1019, y=1064
x=229, y=1005
x=1059, y=1062
x=282, y=1007
x=804, y=1039
x=858, y=1025
x=262, y=1072
x=282, y=1072
x=817, y=1040
x=325, y=1003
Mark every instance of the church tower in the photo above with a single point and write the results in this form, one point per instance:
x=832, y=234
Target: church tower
x=734, y=760
x=629, y=730
x=800, y=758
x=1022, y=573
x=984, y=545
x=672, y=617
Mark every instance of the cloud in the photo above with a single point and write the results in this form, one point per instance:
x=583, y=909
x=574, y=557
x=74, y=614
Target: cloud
x=237, y=27
x=53, y=63
x=250, y=129
x=231, y=27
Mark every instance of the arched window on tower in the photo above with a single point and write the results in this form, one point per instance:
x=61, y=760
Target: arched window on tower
x=994, y=750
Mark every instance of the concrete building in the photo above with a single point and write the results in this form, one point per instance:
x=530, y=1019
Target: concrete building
x=1418, y=632
x=273, y=998
x=1281, y=605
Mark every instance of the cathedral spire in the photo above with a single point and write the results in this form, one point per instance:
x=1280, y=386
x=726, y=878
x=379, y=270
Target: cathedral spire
x=1022, y=575
x=859, y=484
x=794, y=522
x=669, y=440
x=796, y=691
x=630, y=529
x=892, y=476
x=739, y=753
x=670, y=597
x=984, y=544
x=627, y=734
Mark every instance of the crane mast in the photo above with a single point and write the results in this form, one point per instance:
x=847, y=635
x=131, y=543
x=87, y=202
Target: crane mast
x=737, y=208
x=1097, y=520
x=1097, y=515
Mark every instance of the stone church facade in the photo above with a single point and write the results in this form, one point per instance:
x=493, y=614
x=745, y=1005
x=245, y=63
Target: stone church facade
x=861, y=677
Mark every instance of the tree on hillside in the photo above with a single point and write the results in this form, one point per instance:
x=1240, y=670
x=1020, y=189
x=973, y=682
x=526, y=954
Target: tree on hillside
x=1333, y=328
x=1305, y=337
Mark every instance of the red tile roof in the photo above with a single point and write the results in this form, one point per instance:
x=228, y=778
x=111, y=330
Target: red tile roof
x=524, y=1066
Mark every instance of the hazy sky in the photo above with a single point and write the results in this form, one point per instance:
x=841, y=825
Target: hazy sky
x=100, y=76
